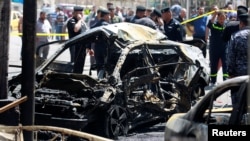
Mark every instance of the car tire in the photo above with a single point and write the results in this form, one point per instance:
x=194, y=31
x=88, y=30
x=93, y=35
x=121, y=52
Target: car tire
x=116, y=122
x=197, y=92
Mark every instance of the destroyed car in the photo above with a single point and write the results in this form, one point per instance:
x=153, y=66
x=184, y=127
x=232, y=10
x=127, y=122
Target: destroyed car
x=146, y=79
x=215, y=108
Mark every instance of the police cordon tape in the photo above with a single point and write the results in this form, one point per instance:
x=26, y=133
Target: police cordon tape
x=65, y=34
x=206, y=14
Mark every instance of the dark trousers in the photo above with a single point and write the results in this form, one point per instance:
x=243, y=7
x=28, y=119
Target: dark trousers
x=100, y=55
x=204, y=49
x=72, y=54
x=217, y=52
x=80, y=54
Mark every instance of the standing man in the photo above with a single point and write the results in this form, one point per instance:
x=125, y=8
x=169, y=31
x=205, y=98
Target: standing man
x=152, y=20
x=139, y=13
x=100, y=50
x=76, y=26
x=20, y=31
x=113, y=17
x=233, y=26
x=94, y=20
x=238, y=49
x=172, y=27
x=237, y=57
x=60, y=20
x=199, y=25
x=129, y=15
x=91, y=15
x=43, y=26
x=148, y=12
x=217, y=47
x=182, y=16
x=214, y=8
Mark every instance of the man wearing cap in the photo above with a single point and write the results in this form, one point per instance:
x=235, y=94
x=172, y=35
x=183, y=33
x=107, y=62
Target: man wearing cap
x=172, y=27
x=76, y=26
x=139, y=13
x=100, y=49
x=152, y=20
x=237, y=57
x=233, y=26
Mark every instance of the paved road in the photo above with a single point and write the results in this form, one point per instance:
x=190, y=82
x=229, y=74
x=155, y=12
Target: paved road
x=15, y=56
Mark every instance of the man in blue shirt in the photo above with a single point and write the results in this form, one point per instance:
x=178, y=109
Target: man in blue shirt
x=199, y=25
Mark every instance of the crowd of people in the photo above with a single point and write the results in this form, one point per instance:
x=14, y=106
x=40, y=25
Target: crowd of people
x=225, y=31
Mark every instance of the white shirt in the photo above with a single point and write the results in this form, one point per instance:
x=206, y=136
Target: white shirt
x=43, y=27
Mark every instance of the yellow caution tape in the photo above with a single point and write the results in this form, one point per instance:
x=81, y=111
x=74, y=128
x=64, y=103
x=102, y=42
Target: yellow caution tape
x=206, y=14
x=65, y=34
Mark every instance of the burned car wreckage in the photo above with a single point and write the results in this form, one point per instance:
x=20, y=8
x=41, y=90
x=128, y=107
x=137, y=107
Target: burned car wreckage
x=147, y=79
x=194, y=124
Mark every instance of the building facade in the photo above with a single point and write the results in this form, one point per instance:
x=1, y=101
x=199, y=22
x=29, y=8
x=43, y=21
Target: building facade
x=189, y=4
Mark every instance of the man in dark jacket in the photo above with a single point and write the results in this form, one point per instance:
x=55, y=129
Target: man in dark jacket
x=172, y=27
x=233, y=26
x=139, y=13
x=100, y=50
x=152, y=20
x=76, y=26
x=237, y=57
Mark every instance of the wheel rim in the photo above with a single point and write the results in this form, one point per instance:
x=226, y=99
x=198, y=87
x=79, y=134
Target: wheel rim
x=118, y=121
x=197, y=92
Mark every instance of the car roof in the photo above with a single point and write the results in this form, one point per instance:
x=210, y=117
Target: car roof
x=128, y=32
x=134, y=32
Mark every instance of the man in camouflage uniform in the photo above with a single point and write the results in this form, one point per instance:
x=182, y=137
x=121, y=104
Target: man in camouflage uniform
x=237, y=56
x=114, y=18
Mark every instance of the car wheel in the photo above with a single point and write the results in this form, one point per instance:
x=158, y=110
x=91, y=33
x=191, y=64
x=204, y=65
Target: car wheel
x=198, y=91
x=116, y=122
